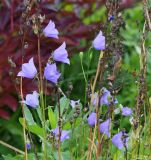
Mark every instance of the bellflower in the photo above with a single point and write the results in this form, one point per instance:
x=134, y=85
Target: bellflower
x=106, y=98
x=50, y=30
x=64, y=134
x=105, y=127
x=32, y=100
x=28, y=70
x=99, y=42
x=28, y=145
x=61, y=55
x=74, y=103
x=111, y=18
x=92, y=119
x=120, y=140
x=126, y=111
x=51, y=73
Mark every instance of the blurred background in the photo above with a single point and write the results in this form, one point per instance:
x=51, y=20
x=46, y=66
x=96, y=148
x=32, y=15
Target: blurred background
x=78, y=22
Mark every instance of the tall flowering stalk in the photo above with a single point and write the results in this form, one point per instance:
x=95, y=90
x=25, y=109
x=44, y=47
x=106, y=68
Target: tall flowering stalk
x=25, y=17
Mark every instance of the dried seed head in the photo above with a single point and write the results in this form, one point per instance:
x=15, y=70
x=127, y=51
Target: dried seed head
x=26, y=45
x=12, y=64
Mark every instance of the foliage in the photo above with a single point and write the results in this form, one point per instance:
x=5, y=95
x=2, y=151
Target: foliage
x=79, y=74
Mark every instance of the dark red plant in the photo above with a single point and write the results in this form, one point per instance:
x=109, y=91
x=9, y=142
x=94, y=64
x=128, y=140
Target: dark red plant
x=68, y=23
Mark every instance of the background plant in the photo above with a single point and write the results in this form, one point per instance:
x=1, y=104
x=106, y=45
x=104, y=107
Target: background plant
x=130, y=59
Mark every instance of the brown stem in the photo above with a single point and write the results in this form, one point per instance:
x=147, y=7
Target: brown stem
x=98, y=129
x=147, y=14
x=22, y=98
x=97, y=108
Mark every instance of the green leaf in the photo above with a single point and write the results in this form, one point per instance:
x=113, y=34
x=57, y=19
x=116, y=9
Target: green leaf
x=52, y=117
x=64, y=103
x=34, y=128
x=28, y=116
x=67, y=126
x=39, y=113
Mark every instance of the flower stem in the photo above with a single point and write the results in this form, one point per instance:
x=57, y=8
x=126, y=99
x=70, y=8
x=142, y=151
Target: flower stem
x=12, y=147
x=97, y=109
x=59, y=124
x=22, y=98
x=42, y=101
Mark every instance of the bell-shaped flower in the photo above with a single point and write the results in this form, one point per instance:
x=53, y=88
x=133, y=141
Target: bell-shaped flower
x=51, y=73
x=61, y=54
x=32, y=100
x=107, y=98
x=126, y=111
x=74, y=103
x=50, y=30
x=92, y=119
x=105, y=127
x=28, y=70
x=28, y=145
x=120, y=140
x=64, y=134
x=99, y=42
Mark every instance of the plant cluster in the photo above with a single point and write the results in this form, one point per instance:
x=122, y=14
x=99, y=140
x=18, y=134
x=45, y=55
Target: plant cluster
x=95, y=128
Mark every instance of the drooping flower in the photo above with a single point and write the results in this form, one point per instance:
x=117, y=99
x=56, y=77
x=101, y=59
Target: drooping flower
x=28, y=145
x=61, y=54
x=32, y=100
x=126, y=111
x=120, y=140
x=28, y=70
x=92, y=119
x=105, y=127
x=64, y=134
x=99, y=42
x=74, y=103
x=111, y=18
x=107, y=98
x=51, y=73
x=50, y=30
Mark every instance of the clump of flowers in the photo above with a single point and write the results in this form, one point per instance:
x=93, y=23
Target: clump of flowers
x=65, y=117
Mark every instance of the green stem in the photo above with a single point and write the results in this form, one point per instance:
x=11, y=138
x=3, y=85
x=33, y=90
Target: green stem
x=42, y=102
x=12, y=147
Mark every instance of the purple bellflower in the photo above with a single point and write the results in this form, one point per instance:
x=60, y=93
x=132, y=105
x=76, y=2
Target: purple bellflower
x=105, y=127
x=107, y=98
x=111, y=18
x=126, y=111
x=99, y=42
x=32, y=100
x=92, y=119
x=120, y=140
x=28, y=70
x=50, y=30
x=28, y=145
x=74, y=103
x=64, y=134
x=51, y=73
x=61, y=54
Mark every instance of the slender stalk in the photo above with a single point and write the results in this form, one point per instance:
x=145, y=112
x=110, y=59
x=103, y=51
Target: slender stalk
x=22, y=98
x=59, y=123
x=147, y=14
x=12, y=147
x=98, y=129
x=42, y=101
x=97, y=108
x=24, y=121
